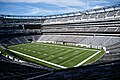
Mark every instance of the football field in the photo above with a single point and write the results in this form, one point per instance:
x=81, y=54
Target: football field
x=55, y=55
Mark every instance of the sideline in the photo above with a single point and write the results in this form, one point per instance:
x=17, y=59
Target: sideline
x=87, y=59
x=38, y=59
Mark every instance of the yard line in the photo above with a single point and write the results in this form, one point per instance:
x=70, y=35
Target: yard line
x=69, y=56
x=60, y=57
x=33, y=51
x=38, y=59
x=87, y=59
x=52, y=55
x=73, y=58
x=67, y=46
x=45, y=54
x=39, y=53
x=60, y=54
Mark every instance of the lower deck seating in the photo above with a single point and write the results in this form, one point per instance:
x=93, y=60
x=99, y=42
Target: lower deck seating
x=2, y=58
x=108, y=57
x=88, y=40
x=14, y=71
x=104, y=71
x=114, y=48
x=19, y=39
x=101, y=71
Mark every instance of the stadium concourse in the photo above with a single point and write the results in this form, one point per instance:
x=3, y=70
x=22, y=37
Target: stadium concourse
x=58, y=38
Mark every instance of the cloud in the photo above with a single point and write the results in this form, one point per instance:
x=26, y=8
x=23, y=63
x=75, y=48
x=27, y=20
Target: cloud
x=61, y=3
x=62, y=6
x=95, y=7
x=32, y=10
x=51, y=12
x=44, y=12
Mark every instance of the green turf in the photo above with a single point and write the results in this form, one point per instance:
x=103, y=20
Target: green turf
x=64, y=55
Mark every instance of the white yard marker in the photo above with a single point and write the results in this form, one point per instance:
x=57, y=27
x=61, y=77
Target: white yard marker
x=60, y=57
x=45, y=54
x=39, y=53
x=52, y=55
x=76, y=51
x=34, y=51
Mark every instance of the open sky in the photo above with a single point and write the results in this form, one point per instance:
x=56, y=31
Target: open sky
x=49, y=7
